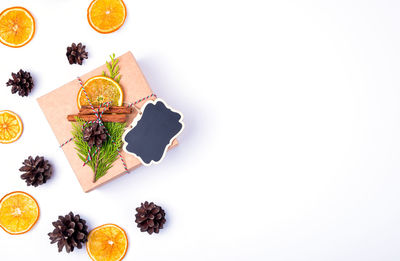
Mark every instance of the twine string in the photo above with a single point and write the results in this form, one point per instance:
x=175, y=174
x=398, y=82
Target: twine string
x=143, y=99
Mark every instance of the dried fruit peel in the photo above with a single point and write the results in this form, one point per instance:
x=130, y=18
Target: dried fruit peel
x=19, y=212
x=11, y=127
x=107, y=243
x=100, y=89
x=106, y=16
x=17, y=27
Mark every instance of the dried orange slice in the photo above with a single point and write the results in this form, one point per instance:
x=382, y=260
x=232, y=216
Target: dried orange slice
x=107, y=243
x=17, y=27
x=19, y=212
x=10, y=127
x=106, y=16
x=100, y=89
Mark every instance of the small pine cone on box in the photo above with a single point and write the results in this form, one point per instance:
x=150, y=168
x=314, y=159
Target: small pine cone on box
x=21, y=82
x=95, y=134
x=70, y=231
x=37, y=171
x=150, y=217
x=76, y=53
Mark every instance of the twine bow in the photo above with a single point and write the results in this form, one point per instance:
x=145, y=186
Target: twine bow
x=99, y=113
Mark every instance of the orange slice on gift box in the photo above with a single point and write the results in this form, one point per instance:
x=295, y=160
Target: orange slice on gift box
x=10, y=127
x=100, y=89
x=19, y=212
x=106, y=16
x=17, y=27
x=107, y=243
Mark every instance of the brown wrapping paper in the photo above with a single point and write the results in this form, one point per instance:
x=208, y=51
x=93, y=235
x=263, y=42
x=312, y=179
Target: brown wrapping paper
x=57, y=104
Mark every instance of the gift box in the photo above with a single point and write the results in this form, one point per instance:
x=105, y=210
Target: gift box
x=60, y=103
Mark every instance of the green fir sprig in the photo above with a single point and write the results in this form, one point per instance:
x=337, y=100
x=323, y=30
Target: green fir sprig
x=103, y=160
x=113, y=69
x=107, y=154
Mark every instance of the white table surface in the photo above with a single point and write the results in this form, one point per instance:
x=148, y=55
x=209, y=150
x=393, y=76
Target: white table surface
x=292, y=141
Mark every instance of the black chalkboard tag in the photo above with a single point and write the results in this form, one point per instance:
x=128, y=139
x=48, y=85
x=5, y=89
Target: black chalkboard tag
x=152, y=132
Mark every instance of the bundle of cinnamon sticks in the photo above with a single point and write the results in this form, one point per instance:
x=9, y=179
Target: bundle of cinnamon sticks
x=110, y=114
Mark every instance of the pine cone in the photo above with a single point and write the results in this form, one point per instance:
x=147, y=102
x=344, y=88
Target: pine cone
x=21, y=82
x=70, y=231
x=150, y=217
x=95, y=134
x=37, y=171
x=76, y=53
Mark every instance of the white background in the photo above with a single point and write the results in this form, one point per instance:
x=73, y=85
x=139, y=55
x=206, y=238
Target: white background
x=292, y=141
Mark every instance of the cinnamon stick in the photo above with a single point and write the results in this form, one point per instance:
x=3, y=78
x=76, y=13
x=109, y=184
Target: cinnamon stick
x=105, y=118
x=85, y=110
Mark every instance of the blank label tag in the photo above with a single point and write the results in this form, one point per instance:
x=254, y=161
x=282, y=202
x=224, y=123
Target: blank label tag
x=152, y=132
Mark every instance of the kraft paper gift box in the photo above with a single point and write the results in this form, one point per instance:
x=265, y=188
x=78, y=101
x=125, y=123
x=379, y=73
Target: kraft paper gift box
x=61, y=102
